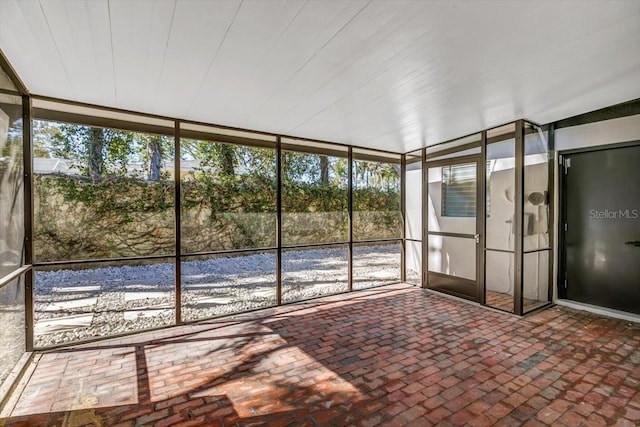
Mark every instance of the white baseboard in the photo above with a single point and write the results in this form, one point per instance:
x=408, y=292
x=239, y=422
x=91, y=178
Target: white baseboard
x=623, y=315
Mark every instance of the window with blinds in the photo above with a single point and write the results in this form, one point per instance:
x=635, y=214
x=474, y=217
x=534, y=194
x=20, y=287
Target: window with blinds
x=459, y=190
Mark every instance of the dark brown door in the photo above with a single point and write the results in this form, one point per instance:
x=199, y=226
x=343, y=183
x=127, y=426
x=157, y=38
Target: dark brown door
x=602, y=237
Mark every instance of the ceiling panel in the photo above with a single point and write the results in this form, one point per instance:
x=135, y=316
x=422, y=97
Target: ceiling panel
x=393, y=75
x=139, y=33
x=26, y=40
x=196, y=38
x=83, y=30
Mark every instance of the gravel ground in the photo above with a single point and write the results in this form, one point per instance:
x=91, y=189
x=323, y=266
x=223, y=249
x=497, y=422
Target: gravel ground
x=99, y=302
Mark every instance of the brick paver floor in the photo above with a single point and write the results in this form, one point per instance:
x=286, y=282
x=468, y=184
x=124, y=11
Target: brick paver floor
x=396, y=355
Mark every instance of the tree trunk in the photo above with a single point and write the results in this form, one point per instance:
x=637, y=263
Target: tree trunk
x=227, y=160
x=96, y=147
x=154, y=158
x=324, y=169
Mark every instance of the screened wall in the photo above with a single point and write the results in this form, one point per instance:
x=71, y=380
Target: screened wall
x=14, y=271
x=143, y=222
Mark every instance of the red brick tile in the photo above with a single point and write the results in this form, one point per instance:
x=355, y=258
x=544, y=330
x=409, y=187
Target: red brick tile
x=499, y=410
x=461, y=365
x=571, y=418
x=434, y=402
x=437, y=415
x=548, y=415
x=632, y=414
x=596, y=421
x=624, y=423
x=461, y=418
x=412, y=413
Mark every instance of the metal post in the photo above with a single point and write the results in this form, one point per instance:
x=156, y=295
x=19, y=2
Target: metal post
x=551, y=139
x=481, y=222
x=519, y=216
x=177, y=223
x=27, y=159
x=279, y=220
x=403, y=212
x=425, y=218
x=350, y=216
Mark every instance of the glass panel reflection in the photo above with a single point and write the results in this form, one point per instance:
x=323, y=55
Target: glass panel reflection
x=471, y=139
x=453, y=256
x=535, y=279
x=11, y=185
x=414, y=261
x=12, y=332
x=535, y=228
x=500, y=182
x=499, y=276
x=413, y=185
x=5, y=81
x=214, y=285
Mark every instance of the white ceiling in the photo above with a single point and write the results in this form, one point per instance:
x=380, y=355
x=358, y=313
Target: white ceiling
x=392, y=75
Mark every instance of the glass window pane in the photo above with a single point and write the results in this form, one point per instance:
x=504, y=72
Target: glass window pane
x=499, y=279
x=454, y=256
x=414, y=261
x=376, y=265
x=5, y=81
x=500, y=182
x=93, y=300
x=458, y=188
x=413, y=218
x=536, y=279
x=471, y=139
x=12, y=332
x=502, y=132
x=535, y=227
x=101, y=193
x=228, y=196
x=376, y=200
x=215, y=285
x=11, y=185
x=468, y=152
x=213, y=131
x=314, y=198
x=72, y=113
x=310, y=273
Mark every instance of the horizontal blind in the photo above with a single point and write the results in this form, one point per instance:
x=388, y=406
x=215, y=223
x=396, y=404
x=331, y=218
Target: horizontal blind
x=459, y=190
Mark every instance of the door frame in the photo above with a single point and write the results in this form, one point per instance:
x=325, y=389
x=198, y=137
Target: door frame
x=480, y=223
x=561, y=277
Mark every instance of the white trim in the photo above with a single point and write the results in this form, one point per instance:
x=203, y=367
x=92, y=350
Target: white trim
x=623, y=315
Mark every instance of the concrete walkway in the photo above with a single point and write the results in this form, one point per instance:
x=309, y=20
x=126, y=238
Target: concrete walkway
x=395, y=355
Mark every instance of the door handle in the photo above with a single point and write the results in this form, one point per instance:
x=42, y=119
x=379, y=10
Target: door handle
x=633, y=243
x=477, y=237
